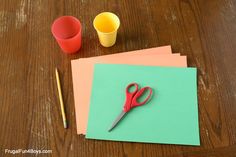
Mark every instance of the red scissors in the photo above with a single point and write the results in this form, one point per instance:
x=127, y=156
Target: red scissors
x=132, y=101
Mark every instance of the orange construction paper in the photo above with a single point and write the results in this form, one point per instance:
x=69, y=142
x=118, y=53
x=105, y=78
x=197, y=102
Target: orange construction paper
x=82, y=73
x=149, y=51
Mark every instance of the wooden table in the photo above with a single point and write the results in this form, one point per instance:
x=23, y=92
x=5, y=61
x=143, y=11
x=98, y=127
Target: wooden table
x=30, y=117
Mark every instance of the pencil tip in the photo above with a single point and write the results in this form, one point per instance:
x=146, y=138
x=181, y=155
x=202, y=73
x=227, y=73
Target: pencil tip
x=65, y=124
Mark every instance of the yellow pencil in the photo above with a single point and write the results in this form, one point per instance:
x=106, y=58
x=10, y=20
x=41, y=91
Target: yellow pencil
x=61, y=100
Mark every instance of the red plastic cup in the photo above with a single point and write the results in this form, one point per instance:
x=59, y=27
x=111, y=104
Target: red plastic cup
x=67, y=31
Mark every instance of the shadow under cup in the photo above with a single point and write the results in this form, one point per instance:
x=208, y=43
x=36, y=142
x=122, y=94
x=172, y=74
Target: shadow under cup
x=67, y=31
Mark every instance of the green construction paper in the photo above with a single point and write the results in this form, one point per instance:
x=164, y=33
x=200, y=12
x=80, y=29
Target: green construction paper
x=170, y=117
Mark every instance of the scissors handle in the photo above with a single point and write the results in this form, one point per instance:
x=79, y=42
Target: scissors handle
x=128, y=88
x=139, y=94
x=132, y=97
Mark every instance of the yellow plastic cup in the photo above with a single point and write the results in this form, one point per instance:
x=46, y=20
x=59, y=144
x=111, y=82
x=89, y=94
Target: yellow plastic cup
x=106, y=25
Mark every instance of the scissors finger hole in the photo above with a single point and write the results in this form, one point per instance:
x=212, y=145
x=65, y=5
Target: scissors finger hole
x=143, y=97
x=132, y=88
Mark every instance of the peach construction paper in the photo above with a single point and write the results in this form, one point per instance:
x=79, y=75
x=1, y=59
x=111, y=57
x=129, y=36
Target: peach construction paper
x=149, y=51
x=82, y=71
x=81, y=128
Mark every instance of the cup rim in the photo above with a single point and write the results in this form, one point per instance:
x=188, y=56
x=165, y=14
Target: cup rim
x=66, y=16
x=106, y=13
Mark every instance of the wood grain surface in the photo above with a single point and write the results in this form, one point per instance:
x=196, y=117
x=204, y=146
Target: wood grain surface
x=204, y=30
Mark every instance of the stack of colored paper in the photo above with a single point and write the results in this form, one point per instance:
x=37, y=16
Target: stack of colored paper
x=170, y=117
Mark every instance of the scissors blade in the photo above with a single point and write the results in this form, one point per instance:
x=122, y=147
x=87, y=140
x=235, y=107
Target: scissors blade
x=121, y=115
